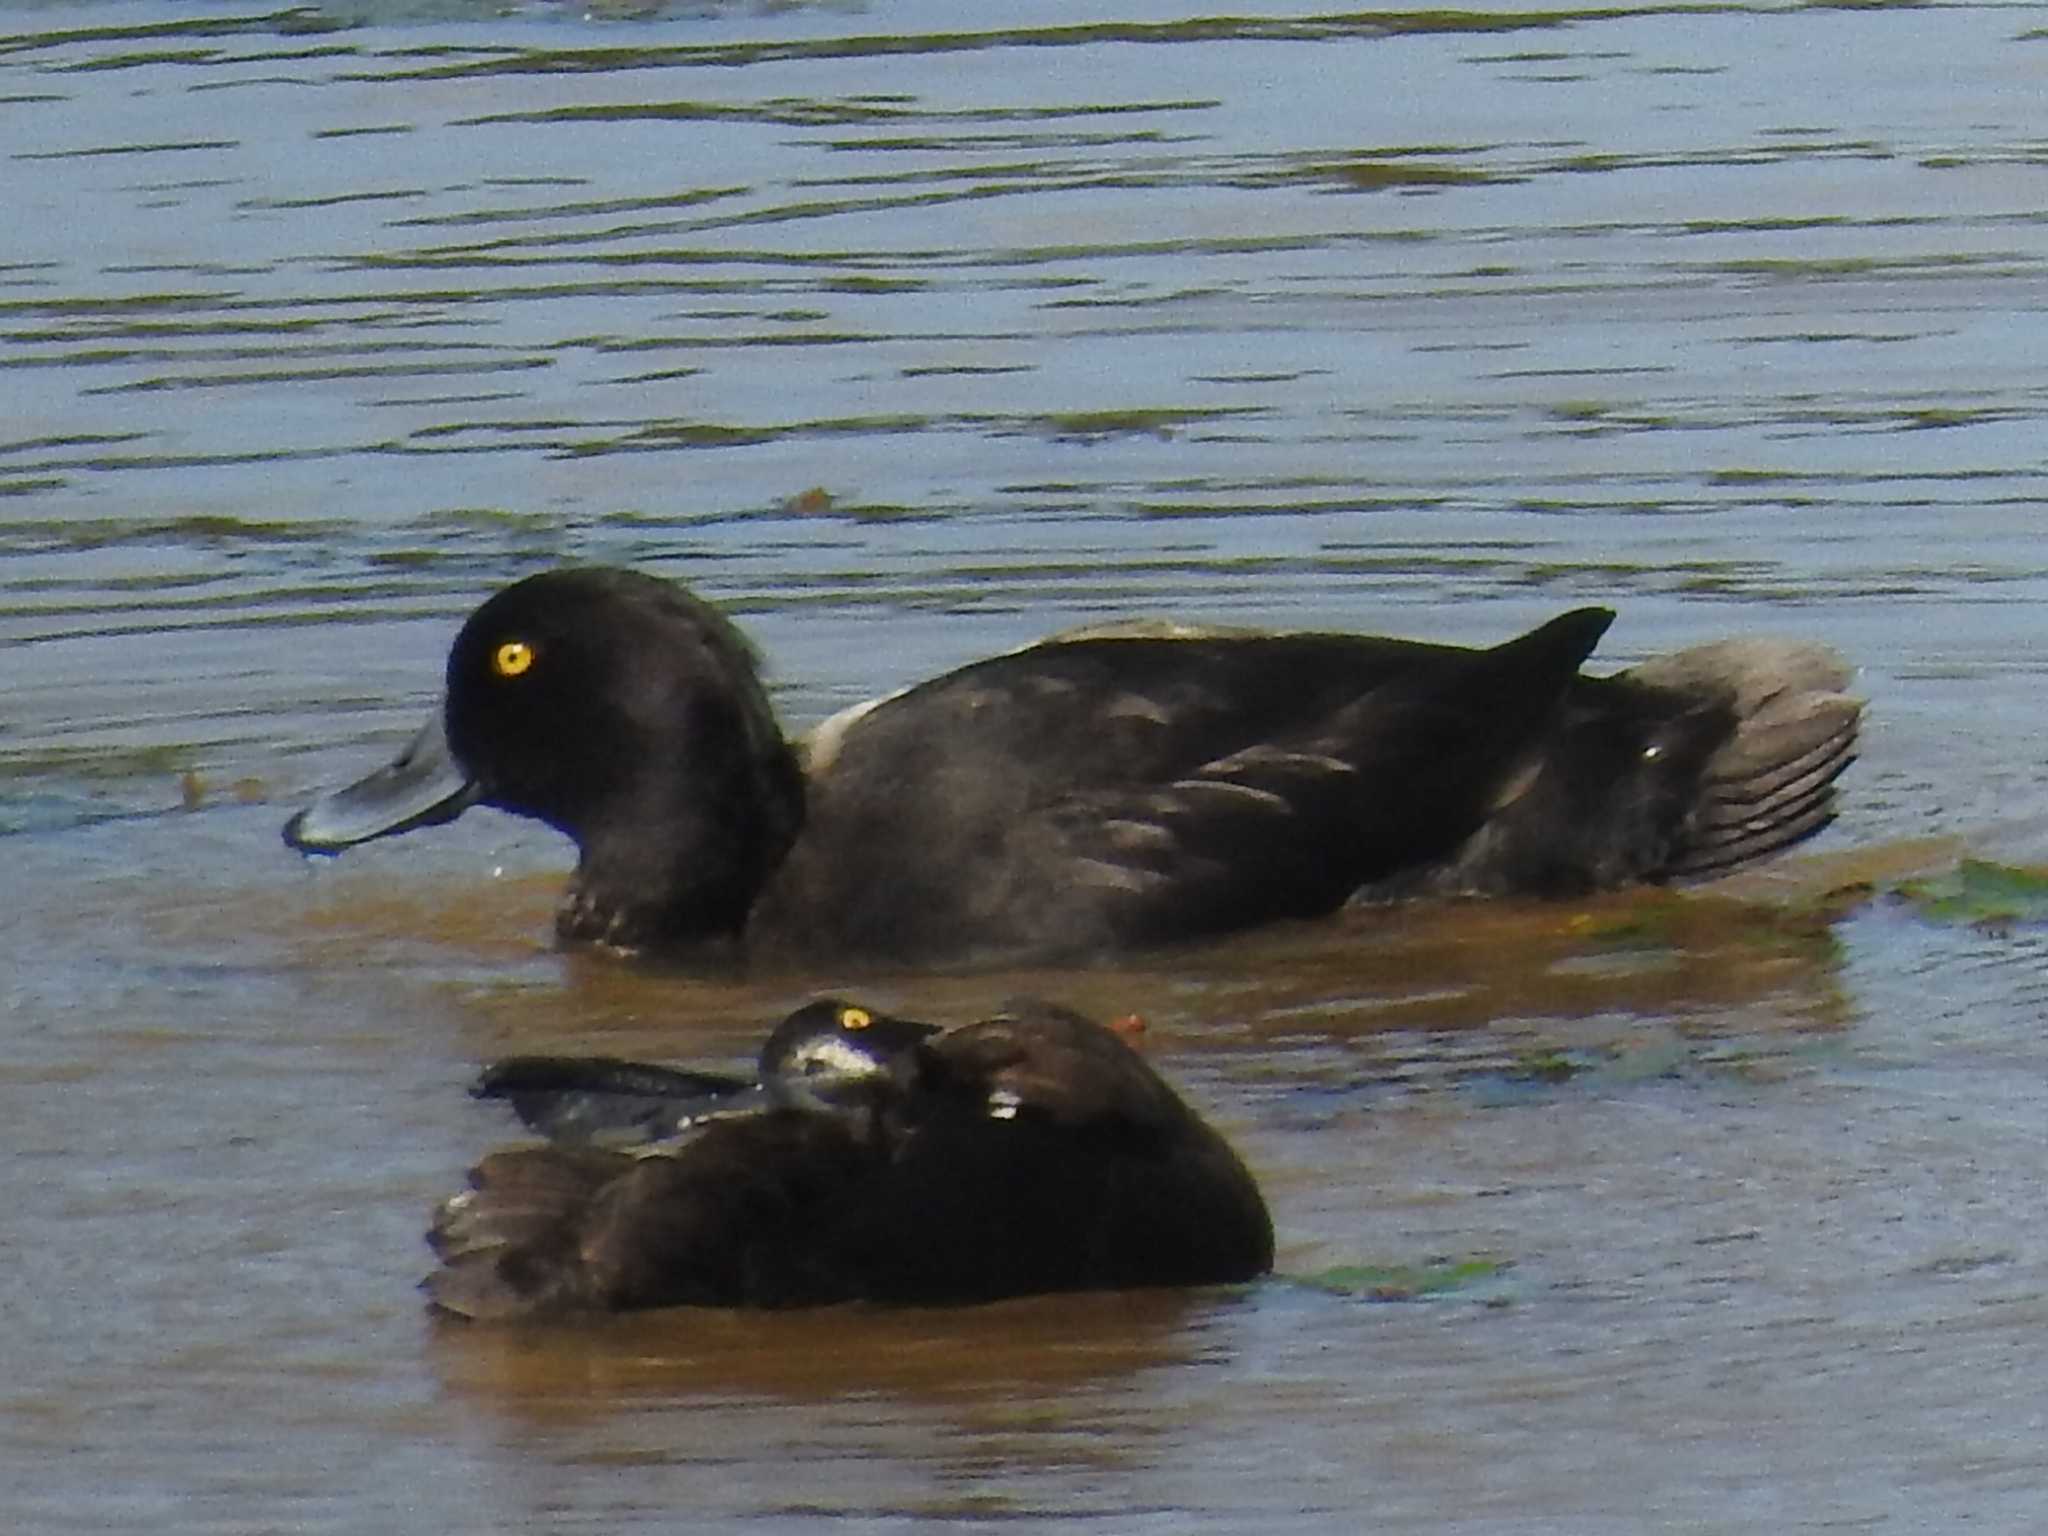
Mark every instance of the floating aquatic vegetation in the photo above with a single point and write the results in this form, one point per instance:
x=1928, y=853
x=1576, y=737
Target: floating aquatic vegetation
x=1980, y=894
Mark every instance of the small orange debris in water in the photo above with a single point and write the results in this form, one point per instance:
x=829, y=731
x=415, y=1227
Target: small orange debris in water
x=1131, y=1026
x=809, y=503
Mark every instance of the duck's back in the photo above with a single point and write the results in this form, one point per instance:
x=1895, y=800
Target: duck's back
x=1100, y=793
x=1042, y=1154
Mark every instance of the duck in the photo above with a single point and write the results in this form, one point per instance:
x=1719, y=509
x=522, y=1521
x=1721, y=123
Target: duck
x=872, y=1159
x=1103, y=791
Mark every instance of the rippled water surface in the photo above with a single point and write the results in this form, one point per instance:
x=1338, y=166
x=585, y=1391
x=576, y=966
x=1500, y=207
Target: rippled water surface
x=910, y=331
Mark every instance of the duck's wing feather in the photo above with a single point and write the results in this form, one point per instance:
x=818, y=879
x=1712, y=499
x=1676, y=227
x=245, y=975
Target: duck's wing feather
x=1681, y=768
x=1039, y=1152
x=1110, y=791
x=1036, y=1059
x=593, y=1098
x=746, y=1212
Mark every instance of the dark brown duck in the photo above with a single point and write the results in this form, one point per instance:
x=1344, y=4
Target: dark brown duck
x=874, y=1159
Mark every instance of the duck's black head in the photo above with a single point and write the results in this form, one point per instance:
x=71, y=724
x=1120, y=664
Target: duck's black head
x=837, y=1055
x=622, y=711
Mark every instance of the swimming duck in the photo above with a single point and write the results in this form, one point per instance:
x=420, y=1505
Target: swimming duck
x=1099, y=791
x=873, y=1158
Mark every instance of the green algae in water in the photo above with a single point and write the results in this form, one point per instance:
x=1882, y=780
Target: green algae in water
x=1979, y=893
x=204, y=529
x=1162, y=422
x=1366, y=173
x=488, y=520
x=1404, y=1282
x=97, y=764
x=1547, y=1065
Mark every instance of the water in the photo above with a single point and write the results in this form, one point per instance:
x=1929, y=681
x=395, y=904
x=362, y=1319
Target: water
x=910, y=333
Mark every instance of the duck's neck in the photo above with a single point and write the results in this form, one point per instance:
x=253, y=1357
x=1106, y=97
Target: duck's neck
x=680, y=865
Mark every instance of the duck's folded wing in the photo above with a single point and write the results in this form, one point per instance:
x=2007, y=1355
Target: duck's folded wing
x=1106, y=792
x=1054, y=1158
x=1395, y=780
x=1034, y=1058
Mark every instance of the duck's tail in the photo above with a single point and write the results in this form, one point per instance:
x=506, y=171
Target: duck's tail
x=1770, y=781
x=757, y=1210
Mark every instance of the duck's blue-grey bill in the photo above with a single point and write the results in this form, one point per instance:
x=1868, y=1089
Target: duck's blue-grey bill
x=421, y=787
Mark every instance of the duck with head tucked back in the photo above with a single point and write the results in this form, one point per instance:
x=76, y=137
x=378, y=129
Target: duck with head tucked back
x=873, y=1159
x=1097, y=792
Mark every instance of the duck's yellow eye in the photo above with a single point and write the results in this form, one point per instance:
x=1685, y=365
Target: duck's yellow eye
x=512, y=658
x=855, y=1018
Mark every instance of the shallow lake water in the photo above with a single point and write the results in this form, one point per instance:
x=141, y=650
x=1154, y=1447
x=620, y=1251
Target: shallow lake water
x=909, y=332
